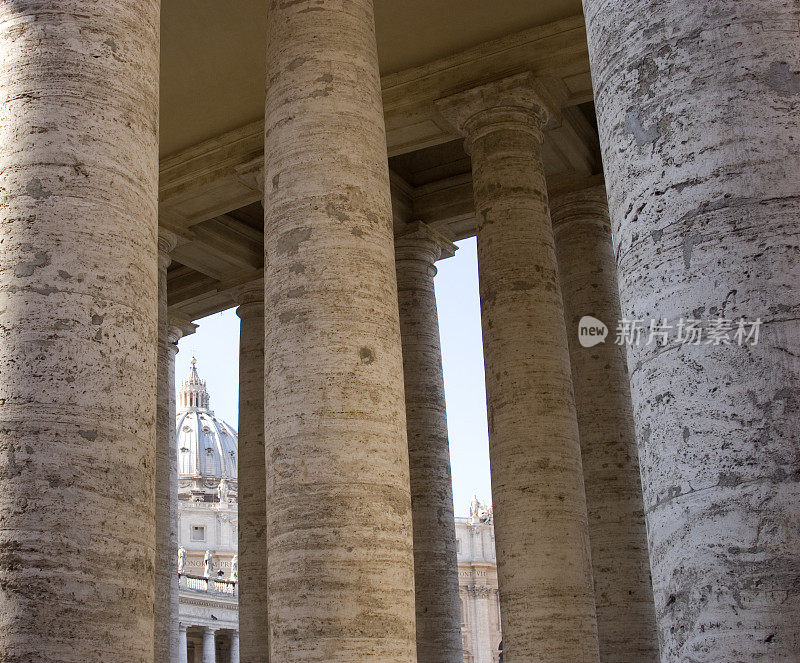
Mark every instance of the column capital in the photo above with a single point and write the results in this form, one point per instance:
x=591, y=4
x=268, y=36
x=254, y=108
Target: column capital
x=178, y=327
x=182, y=627
x=520, y=102
x=167, y=241
x=587, y=202
x=419, y=242
x=249, y=297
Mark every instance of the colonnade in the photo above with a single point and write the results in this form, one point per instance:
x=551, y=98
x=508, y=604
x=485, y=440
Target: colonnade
x=207, y=652
x=346, y=492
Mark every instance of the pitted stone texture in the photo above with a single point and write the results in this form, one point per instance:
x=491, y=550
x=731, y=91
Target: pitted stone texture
x=79, y=295
x=341, y=573
x=435, y=561
x=543, y=565
x=699, y=117
x=623, y=591
x=253, y=623
x=166, y=567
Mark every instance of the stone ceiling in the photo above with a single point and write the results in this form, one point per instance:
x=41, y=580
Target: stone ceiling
x=212, y=52
x=212, y=99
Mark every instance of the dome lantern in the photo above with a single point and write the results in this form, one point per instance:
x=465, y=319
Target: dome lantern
x=193, y=393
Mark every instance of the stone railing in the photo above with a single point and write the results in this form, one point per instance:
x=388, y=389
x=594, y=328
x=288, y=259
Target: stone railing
x=208, y=585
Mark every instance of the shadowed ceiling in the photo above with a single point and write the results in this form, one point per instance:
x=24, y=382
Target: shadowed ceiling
x=212, y=52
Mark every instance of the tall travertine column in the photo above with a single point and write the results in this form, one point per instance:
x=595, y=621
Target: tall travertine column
x=253, y=624
x=209, y=646
x=699, y=113
x=543, y=564
x=435, y=564
x=341, y=572
x=176, y=330
x=166, y=589
x=621, y=567
x=79, y=296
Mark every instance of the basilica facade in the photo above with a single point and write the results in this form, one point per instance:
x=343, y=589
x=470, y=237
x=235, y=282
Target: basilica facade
x=631, y=173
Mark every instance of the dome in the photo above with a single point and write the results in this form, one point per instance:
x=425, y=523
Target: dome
x=207, y=446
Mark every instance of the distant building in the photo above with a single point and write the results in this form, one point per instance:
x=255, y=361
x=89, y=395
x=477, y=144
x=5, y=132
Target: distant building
x=208, y=527
x=477, y=579
x=208, y=536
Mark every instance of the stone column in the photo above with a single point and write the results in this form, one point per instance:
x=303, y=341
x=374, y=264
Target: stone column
x=78, y=277
x=183, y=652
x=617, y=534
x=699, y=113
x=438, y=608
x=543, y=564
x=176, y=330
x=341, y=571
x=165, y=640
x=235, y=645
x=253, y=624
x=209, y=645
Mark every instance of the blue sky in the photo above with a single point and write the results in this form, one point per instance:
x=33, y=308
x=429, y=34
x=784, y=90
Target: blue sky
x=216, y=346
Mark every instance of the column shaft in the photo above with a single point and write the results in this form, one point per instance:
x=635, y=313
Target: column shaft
x=699, y=113
x=165, y=633
x=78, y=277
x=174, y=334
x=235, y=646
x=617, y=534
x=341, y=583
x=543, y=564
x=183, y=652
x=253, y=624
x=209, y=646
x=438, y=609
x=486, y=652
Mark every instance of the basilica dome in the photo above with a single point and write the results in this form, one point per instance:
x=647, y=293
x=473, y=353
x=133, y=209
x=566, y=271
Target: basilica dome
x=207, y=446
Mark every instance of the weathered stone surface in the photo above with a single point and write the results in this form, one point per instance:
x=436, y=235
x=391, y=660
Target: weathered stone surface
x=253, y=624
x=435, y=563
x=341, y=575
x=623, y=591
x=78, y=295
x=543, y=564
x=166, y=582
x=174, y=334
x=699, y=117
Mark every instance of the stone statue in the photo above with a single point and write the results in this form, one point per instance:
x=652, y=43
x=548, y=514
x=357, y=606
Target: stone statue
x=208, y=564
x=181, y=560
x=474, y=507
x=480, y=513
x=235, y=568
x=223, y=490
